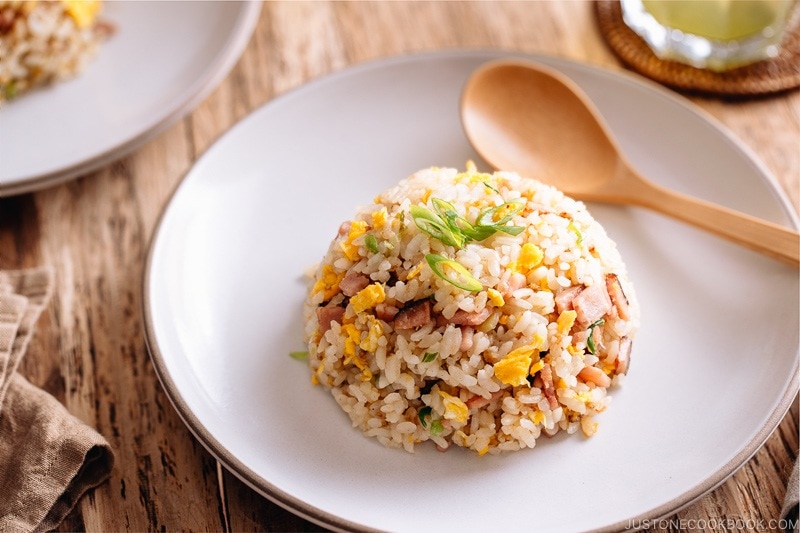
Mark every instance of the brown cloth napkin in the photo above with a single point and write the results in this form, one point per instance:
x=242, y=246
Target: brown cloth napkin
x=48, y=458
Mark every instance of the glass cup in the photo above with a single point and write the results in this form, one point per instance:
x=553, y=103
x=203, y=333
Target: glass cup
x=711, y=34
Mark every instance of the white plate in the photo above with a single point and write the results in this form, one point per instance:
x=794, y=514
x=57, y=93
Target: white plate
x=713, y=368
x=164, y=58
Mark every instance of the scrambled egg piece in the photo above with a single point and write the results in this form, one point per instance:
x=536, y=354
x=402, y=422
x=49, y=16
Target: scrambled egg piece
x=349, y=247
x=514, y=368
x=368, y=297
x=366, y=373
x=328, y=282
x=454, y=408
x=495, y=297
x=471, y=174
x=379, y=218
x=537, y=417
x=414, y=272
x=375, y=332
x=566, y=320
x=530, y=256
x=544, y=285
x=352, y=339
x=83, y=12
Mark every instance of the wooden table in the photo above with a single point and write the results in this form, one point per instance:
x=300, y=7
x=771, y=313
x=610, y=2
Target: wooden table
x=89, y=350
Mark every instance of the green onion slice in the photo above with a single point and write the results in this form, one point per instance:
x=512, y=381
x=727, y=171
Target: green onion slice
x=504, y=213
x=511, y=230
x=574, y=229
x=437, y=228
x=590, y=339
x=444, y=209
x=476, y=233
x=486, y=183
x=424, y=414
x=436, y=428
x=453, y=272
x=429, y=356
x=298, y=355
x=371, y=243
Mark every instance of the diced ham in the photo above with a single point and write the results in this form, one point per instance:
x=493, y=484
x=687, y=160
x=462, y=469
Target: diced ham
x=104, y=29
x=597, y=336
x=515, y=281
x=386, y=312
x=618, y=297
x=414, y=316
x=548, y=387
x=474, y=318
x=328, y=314
x=478, y=401
x=564, y=298
x=352, y=283
x=591, y=304
x=592, y=374
x=6, y=20
x=624, y=355
x=466, y=338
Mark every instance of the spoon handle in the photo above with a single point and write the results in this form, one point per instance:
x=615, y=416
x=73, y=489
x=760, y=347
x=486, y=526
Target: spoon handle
x=760, y=235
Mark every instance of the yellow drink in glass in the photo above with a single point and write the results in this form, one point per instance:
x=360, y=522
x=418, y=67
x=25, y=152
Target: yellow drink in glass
x=714, y=34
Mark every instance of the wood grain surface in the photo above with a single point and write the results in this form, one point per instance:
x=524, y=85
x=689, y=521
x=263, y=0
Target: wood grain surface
x=89, y=350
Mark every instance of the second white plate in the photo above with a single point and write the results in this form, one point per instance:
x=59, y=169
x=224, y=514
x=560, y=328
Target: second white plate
x=163, y=59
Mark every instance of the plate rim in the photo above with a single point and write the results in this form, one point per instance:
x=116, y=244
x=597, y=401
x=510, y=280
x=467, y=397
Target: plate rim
x=196, y=92
x=310, y=512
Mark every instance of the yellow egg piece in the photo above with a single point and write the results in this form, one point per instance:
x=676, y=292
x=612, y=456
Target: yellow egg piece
x=566, y=320
x=328, y=282
x=352, y=337
x=349, y=247
x=495, y=297
x=375, y=332
x=379, y=218
x=530, y=256
x=454, y=408
x=83, y=12
x=368, y=297
x=514, y=367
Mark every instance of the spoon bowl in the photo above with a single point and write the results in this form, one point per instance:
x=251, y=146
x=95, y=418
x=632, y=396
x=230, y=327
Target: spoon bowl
x=528, y=118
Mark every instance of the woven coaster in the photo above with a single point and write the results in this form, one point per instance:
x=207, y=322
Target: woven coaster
x=765, y=77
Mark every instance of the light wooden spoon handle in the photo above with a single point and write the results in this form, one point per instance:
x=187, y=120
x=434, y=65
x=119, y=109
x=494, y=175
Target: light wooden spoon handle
x=760, y=235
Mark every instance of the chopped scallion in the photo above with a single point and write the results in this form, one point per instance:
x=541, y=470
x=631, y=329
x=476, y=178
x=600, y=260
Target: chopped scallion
x=371, y=243
x=486, y=183
x=429, y=357
x=574, y=229
x=590, y=339
x=439, y=229
x=298, y=355
x=447, y=226
x=424, y=414
x=453, y=272
x=502, y=214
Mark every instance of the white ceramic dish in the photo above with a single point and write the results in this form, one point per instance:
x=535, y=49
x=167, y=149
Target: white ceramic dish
x=163, y=59
x=714, y=366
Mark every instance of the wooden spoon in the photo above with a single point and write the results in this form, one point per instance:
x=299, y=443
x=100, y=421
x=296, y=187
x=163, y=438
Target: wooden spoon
x=527, y=118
